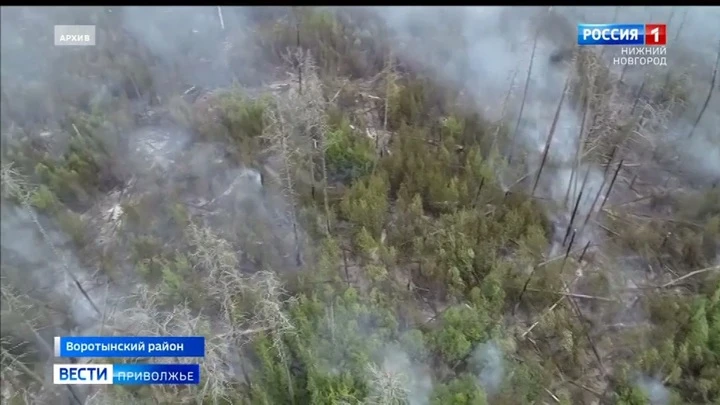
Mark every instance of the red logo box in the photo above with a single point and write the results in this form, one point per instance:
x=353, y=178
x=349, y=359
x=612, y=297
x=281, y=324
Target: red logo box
x=655, y=34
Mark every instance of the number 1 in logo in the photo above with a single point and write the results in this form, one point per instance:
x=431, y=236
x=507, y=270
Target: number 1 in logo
x=655, y=34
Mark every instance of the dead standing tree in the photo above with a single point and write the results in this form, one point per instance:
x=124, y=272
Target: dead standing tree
x=550, y=136
x=297, y=129
x=269, y=314
x=279, y=135
x=586, y=92
x=522, y=102
x=709, y=96
x=298, y=54
x=389, y=80
x=220, y=17
x=315, y=122
x=311, y=122
x=387, y=387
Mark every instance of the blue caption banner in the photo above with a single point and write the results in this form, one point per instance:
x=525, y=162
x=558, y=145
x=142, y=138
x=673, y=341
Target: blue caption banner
x=611, y=34
x=130, y=346
x=146, y=374
x=126, y=374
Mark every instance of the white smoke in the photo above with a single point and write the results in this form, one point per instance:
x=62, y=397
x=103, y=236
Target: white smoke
x=654, y=389
x=417, y=379
x=489, y=364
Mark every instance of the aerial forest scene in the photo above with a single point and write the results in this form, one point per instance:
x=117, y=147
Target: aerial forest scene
x=364, y=205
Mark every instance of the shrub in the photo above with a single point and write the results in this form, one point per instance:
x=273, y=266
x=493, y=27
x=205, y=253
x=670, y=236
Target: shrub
x=349, y=156
x=366, y=204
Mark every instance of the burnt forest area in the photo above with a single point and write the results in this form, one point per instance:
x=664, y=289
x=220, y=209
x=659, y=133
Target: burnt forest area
x=364, y=205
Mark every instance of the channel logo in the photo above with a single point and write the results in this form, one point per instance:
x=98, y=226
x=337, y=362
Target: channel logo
x=622, y=34
x=86, y=374
x=126, y=374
